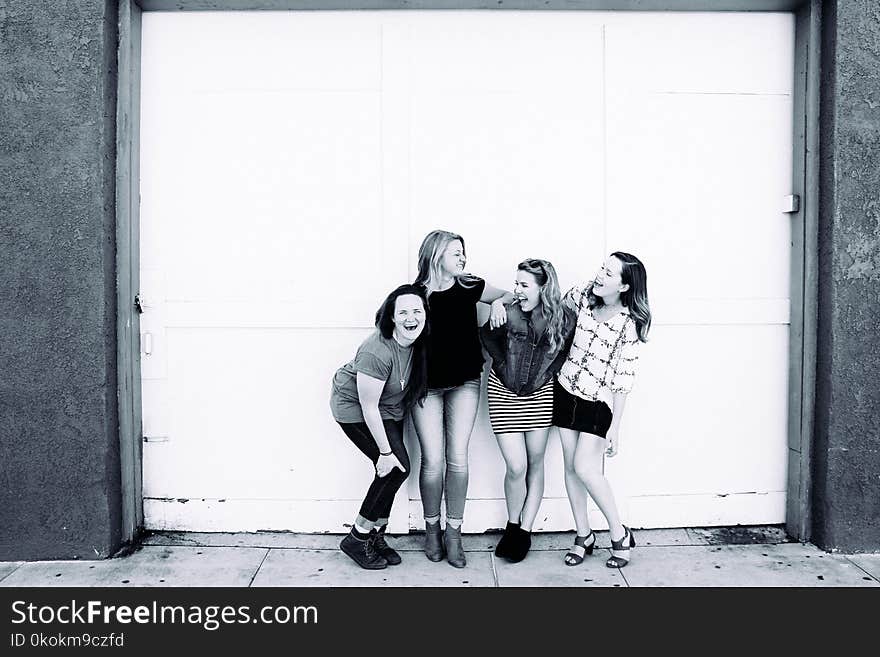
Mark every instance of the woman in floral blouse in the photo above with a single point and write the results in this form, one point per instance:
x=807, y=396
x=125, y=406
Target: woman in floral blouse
x=613, y=319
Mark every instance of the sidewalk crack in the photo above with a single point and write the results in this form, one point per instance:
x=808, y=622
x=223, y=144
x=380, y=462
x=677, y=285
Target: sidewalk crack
x=854, y=564
x=494, y=572
x=11, y=571
x=256, y=572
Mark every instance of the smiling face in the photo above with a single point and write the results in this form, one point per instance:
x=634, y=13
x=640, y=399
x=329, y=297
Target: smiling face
x=409, y=317
x=526, y=290
x=453, y=260
x=608, y=281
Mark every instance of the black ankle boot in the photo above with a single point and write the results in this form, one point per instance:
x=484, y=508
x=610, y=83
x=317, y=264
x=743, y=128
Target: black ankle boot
x=502, y=550
x=521, y=543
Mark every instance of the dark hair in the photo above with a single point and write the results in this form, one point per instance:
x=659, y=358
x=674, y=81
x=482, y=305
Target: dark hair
x=632, y=273
x=418, y=378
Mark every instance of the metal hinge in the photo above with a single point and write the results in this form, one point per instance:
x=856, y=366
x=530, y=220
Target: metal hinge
x=791, y=204
x=138, y=305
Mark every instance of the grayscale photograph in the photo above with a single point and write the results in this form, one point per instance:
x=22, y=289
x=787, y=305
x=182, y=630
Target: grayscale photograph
x=464, y=294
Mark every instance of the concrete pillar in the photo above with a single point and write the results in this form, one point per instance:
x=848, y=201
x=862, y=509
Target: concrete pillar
x=846, y=455
x=59, y=448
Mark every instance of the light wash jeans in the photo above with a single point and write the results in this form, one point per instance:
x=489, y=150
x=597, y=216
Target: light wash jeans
x=444, y=423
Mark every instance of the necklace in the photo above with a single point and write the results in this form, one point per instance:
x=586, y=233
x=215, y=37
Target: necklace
x=400, y=369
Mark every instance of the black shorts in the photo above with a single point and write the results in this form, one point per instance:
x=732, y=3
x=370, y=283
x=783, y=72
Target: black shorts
x=572, y=412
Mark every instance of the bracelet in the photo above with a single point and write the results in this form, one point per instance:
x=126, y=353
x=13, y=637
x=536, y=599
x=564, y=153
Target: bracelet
x=385, y=453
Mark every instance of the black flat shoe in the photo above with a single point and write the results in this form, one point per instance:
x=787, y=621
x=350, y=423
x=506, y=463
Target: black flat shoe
x=502, y=550
x=522, y=543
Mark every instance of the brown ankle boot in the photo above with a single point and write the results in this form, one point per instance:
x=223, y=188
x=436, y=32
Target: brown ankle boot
x=454, y=550
x=433, y=541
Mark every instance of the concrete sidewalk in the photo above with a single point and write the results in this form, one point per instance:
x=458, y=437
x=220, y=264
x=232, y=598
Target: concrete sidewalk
x=732, y=556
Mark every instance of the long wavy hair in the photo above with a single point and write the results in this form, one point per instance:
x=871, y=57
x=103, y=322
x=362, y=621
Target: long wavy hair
x=632, y=273
x=550, y=298
x=417, y=389
x=431, y=252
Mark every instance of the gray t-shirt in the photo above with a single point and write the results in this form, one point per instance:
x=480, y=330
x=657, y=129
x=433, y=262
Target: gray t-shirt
x=379, y=358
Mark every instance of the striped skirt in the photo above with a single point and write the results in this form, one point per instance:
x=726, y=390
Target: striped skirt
x=511, y=414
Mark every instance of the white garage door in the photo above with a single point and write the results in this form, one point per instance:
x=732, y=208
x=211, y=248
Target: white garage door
x=292, y=162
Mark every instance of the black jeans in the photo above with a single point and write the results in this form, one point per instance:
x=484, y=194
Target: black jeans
x=380, y=495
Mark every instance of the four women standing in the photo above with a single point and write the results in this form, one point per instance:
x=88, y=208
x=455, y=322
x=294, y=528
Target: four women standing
x=437, y=376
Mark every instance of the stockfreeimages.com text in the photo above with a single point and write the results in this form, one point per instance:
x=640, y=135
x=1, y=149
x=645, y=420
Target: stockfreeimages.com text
x=211, y=617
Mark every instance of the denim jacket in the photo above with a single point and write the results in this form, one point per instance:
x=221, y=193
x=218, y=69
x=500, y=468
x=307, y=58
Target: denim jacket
x=520, y=350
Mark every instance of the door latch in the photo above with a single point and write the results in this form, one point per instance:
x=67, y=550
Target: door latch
x=138, y=305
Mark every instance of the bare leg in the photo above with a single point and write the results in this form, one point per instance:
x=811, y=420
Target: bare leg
x=577, y=493
x=513, y=449
x=588, y=466
x=536, y=445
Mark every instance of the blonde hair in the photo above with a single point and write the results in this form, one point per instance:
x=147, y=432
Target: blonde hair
x=431, y=252
x=550, y=297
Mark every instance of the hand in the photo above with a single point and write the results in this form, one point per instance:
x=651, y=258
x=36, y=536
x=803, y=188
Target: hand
x=612, y=440
x=386, y=464
x=498, y=315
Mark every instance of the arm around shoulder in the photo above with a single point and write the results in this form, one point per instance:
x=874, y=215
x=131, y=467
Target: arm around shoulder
x=495, y=341
x=499, y=300
x=490, y=294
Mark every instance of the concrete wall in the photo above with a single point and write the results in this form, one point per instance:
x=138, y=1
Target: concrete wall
x=846, y=499
x=59, y=455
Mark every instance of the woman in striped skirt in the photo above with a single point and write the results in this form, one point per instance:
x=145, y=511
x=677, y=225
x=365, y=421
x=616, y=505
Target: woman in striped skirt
x=526, y=354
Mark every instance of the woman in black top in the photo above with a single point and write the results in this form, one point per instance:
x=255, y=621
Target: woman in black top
x=455, y=362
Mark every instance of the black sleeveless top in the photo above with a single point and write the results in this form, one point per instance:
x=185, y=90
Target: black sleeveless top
x=454, y=353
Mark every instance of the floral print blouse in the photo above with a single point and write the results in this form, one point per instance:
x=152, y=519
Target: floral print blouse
x=602, y=359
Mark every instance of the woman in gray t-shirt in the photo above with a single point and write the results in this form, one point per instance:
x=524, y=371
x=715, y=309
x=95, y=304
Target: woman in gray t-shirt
x=369, y=397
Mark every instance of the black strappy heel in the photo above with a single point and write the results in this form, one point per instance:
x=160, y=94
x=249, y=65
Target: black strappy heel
x=576, y=553
x=626, y=542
